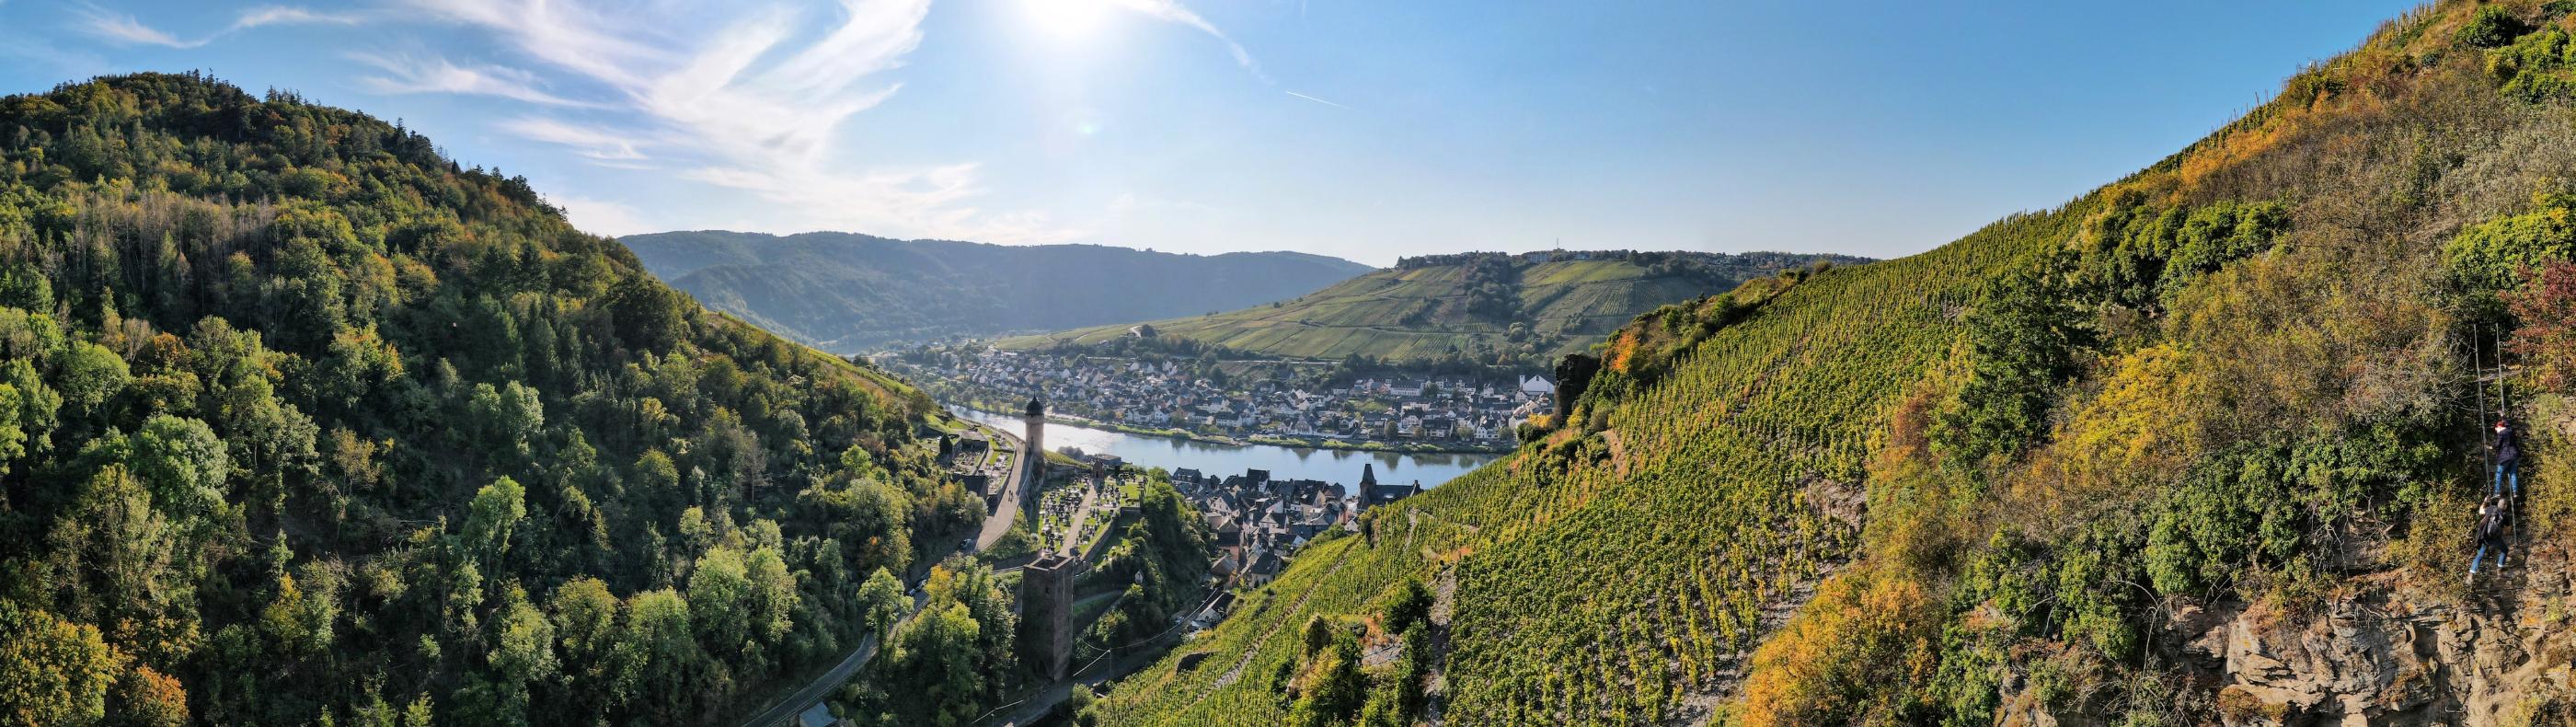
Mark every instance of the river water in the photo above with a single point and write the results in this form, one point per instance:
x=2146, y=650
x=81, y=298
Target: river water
x=1329, y=465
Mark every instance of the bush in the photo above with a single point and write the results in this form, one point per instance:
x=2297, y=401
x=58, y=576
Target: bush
x=2492, y=27
x=1838, y=662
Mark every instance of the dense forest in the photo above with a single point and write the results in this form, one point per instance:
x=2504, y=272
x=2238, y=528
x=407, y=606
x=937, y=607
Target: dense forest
x=2203, y=446
x=849, y=293
x=1465, y=311
x=301, y=422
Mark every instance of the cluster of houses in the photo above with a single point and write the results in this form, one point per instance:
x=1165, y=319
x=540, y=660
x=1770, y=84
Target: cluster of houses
x=1260, y=522
x=1167, y=395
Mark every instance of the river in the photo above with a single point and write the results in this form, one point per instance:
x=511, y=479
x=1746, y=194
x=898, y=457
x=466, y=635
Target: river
x=1329, y=465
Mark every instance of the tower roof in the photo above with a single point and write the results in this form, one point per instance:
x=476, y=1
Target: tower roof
x=1037, y=408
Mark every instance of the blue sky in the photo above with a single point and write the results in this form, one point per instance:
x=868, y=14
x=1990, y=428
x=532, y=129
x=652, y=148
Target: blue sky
x=1360, y=129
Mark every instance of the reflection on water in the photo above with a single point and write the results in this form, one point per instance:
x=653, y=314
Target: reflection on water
x=1330, y=465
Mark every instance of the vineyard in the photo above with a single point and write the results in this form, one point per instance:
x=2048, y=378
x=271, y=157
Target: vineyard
x=1679, y=555
x=2226, y=382
x=1481, y=308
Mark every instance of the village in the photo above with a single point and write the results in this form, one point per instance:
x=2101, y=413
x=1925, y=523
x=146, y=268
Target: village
x=1428, y=413
x=1259, y=523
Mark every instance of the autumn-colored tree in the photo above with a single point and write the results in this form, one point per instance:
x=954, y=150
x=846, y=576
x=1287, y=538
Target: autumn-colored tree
x=52, y=671
x=1845, y=658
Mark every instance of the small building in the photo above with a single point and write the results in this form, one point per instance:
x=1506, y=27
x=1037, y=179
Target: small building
x=1537, y=386
x=1265, y=568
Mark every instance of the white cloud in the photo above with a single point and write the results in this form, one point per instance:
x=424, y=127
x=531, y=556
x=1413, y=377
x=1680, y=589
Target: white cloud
x=750, y=100
x=594, y=142
x=603, y=217
x=124, y=29
x=267, y=15
x=1172, y=11
x=407, y=74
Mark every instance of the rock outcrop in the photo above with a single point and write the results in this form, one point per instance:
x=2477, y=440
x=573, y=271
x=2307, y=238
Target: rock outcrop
x=2385, y=653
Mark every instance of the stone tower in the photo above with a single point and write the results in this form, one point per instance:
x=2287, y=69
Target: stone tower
x=1046, y=612
x=1368, y=484
x=1035, y=419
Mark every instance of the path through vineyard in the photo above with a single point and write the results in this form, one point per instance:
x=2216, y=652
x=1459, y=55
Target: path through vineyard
x=1246, y=661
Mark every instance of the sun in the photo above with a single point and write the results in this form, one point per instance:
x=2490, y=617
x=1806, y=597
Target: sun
x=1067, y=19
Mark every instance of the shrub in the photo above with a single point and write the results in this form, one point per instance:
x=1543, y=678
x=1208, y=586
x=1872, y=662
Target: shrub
x=2491, y=27
x=1841, y=659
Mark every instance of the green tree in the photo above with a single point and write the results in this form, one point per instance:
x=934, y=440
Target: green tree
x=91, y=374
x=881, y=601
x=184, y=463
x=2023, y=341
x=1335, y=688
x=495, y=513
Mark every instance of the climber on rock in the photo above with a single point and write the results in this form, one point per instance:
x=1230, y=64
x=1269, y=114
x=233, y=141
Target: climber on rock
x=2507, y=447
x=2490, y=534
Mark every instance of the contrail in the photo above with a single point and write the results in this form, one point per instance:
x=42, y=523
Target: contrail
x=1320, y=101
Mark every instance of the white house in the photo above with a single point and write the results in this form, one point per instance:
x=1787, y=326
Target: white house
x=1537, y=386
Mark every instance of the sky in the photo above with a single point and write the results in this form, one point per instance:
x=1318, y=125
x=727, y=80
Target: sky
x=1362, y=129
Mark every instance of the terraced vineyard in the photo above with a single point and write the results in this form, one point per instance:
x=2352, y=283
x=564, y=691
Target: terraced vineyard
x=1670, y=563
x=2232, y=384
x=1426, y=311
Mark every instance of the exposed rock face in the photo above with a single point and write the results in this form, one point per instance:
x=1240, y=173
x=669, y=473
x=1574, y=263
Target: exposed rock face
x=2384, y=655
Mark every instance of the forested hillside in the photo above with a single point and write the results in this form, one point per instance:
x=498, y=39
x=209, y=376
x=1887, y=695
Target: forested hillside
x=851, y=293
x=302, y=423
x=2201, y=446
x=1485, y=308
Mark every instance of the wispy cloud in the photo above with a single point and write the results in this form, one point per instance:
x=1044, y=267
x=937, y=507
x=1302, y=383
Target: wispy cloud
x=753, y=103
x=597, y=143
x=1172, y=11
x=1318, y=100
x=267, y=15
x=603, y=217
x=124, y=29
x=410, y=74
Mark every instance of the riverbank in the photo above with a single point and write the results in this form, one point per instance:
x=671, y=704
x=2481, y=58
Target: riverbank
x=1262, y=439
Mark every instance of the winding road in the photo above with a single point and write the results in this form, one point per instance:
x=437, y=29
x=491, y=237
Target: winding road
x=995, y=525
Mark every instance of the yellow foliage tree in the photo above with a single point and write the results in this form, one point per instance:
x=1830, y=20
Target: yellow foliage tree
x=1845, y=657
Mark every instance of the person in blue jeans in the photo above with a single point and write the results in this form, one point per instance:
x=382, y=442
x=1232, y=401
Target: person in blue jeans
x=2508, y=461
x=2490, y=534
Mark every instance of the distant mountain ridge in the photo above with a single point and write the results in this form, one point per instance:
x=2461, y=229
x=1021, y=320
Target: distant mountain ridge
x=847, y=292
x=1480, y=307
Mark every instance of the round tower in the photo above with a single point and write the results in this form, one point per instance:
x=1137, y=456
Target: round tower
x=1035, y=419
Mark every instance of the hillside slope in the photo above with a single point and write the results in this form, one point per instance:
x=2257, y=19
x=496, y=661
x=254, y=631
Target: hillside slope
x=2197, y=447
x=848, y=293
x=1482, y=306
x=301, y=422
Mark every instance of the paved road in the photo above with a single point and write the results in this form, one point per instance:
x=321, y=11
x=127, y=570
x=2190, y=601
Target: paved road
x=818, y=689
x=995, y=525
x=998, y=523
x=815, y=691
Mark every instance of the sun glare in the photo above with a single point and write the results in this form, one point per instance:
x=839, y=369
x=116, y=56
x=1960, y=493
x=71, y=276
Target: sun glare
x=1069, y=19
